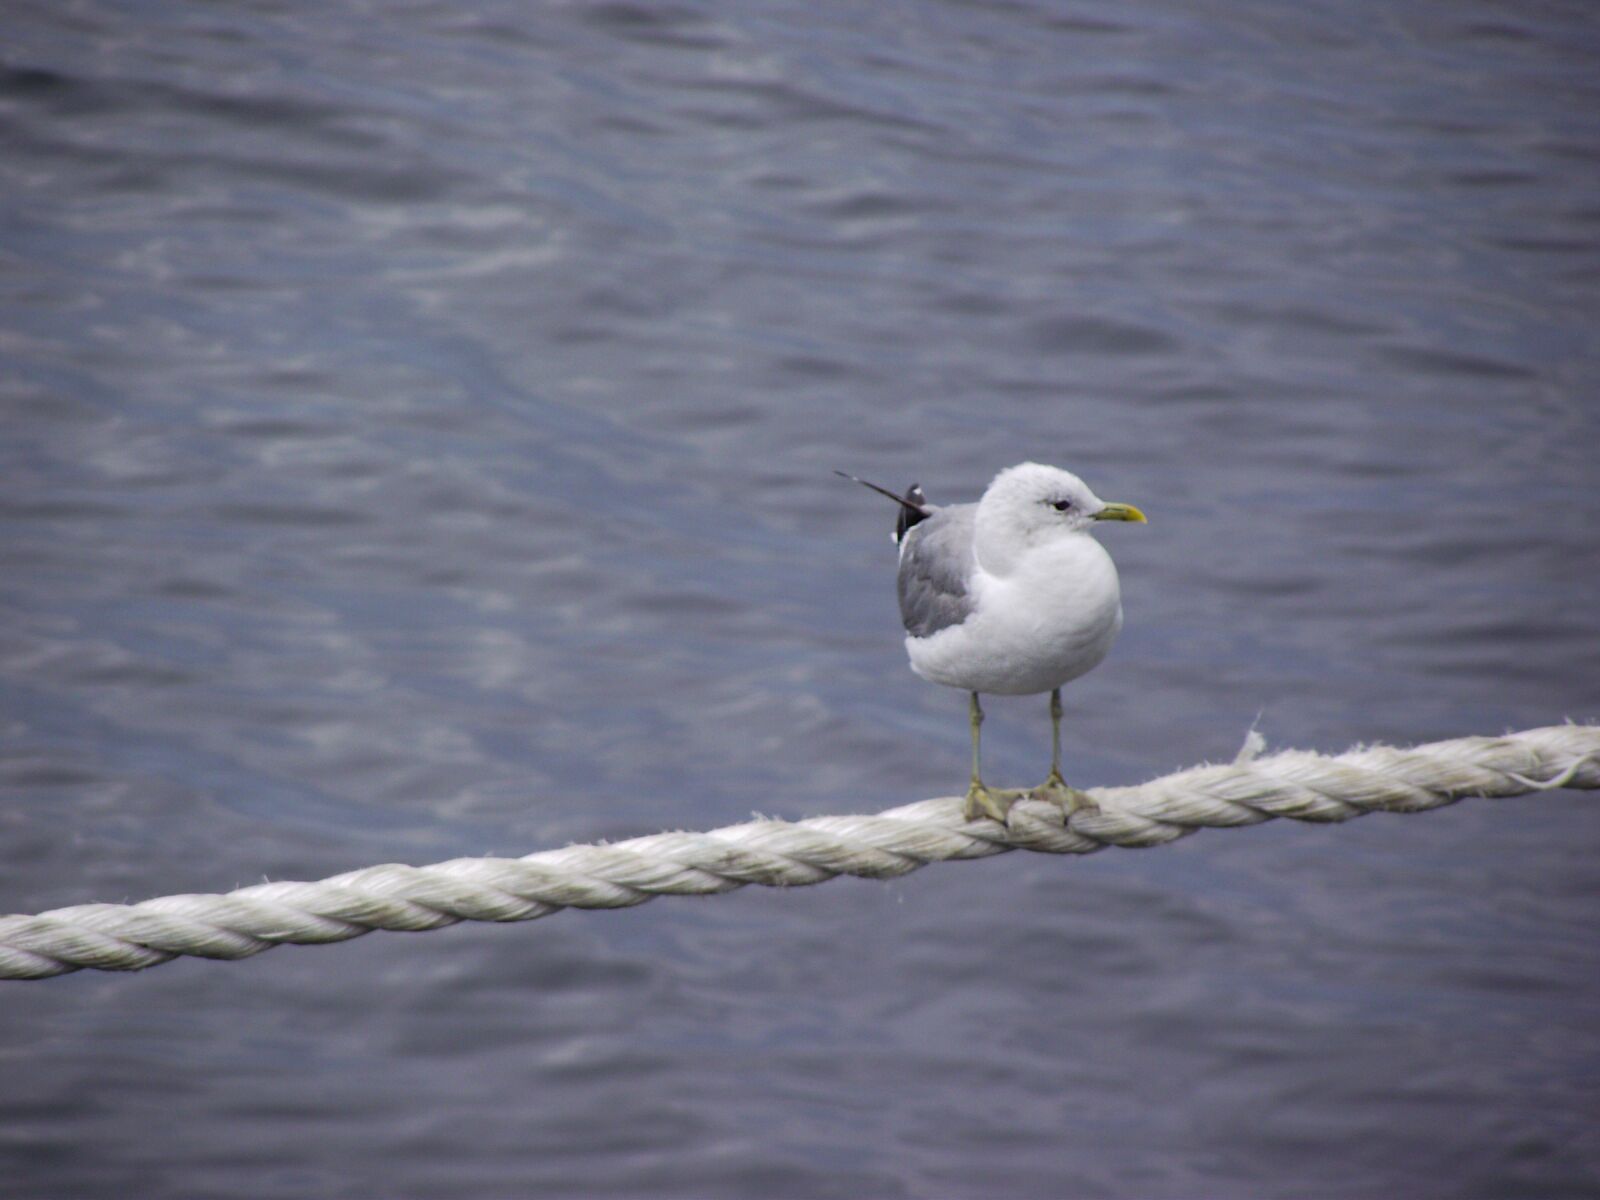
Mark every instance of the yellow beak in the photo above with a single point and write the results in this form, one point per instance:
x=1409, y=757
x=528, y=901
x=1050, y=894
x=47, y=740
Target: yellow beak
x=1120, y=512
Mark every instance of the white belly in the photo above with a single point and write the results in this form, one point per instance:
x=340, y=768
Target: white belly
x=1051, y=620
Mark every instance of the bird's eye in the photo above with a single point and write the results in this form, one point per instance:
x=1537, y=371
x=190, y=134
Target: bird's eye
x=1061, y=505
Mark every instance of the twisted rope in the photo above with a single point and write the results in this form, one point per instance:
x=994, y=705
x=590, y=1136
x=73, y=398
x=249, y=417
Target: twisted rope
x=1297, y=784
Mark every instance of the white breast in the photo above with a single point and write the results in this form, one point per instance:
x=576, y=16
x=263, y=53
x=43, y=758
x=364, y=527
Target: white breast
x=1050, y=620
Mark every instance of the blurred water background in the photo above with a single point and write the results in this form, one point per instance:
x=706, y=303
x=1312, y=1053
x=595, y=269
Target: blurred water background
x=417, y=431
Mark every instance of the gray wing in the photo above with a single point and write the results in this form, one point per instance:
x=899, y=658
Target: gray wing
x=935, y=560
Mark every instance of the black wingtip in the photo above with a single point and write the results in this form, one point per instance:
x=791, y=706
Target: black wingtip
x=913, y=505
x=913, y=508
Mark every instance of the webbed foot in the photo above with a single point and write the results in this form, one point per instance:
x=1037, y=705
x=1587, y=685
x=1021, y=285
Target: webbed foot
x=993, y=803
x=1055, y=790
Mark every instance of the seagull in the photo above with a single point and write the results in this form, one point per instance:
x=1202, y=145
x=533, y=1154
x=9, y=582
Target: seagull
x=1011, y=596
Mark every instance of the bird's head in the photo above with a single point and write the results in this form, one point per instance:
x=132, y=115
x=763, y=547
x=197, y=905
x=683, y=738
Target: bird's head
x=1032, y=503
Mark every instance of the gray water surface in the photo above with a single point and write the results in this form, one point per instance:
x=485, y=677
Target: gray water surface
x=416, y=426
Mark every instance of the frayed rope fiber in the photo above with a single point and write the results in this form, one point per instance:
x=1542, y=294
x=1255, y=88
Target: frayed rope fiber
x=1253, y=788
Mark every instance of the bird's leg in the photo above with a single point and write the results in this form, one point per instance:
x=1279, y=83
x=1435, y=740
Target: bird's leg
x=983, y=801
x=1055, y=739
x=1054, y=789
